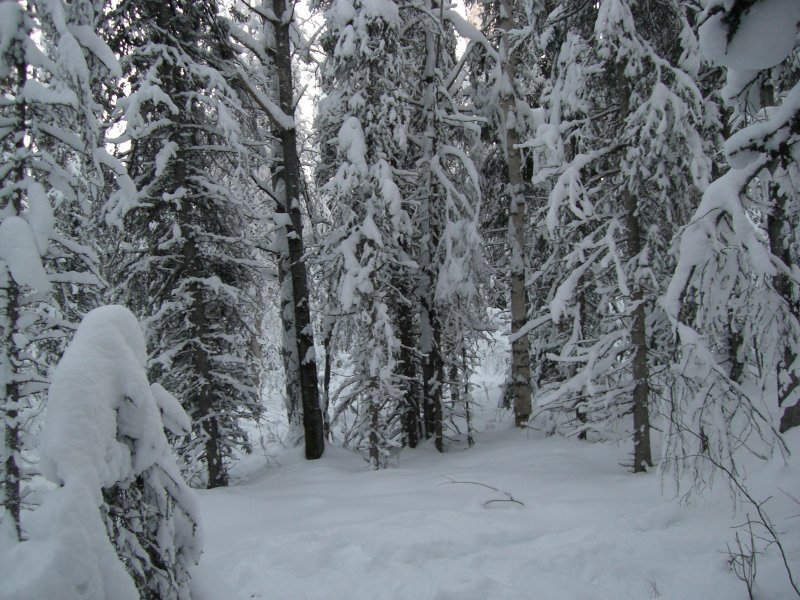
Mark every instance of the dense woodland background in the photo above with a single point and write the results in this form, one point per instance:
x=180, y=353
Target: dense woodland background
x=613, y=185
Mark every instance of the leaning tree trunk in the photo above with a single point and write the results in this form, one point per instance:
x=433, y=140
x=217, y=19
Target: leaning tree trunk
x=520, y=350
x=313, y=425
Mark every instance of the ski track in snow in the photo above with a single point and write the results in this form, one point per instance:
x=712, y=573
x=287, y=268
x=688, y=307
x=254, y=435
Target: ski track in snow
x=588, y=529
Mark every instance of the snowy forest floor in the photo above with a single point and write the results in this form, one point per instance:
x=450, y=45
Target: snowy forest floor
x=585, y=528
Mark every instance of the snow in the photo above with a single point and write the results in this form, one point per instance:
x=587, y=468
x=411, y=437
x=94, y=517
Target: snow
x=280, y=118
x=773, y=131
x=464, y=28
x=698, y=238
x=40, y=216
x=102, y=426
x=382, y=9
x=172, y=414
x=36, y=93
x=10, y=30
x=428, y=529
x=89, y=39
x=19, y=250
x=352, y=144
x=167, y=152
x=341, y=13
x=765, y=36
x=518, y=516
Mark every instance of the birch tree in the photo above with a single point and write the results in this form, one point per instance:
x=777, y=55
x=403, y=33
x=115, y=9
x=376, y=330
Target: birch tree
x=507, y=77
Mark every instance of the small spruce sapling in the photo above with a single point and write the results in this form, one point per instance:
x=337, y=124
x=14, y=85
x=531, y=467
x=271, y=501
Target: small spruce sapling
x=120, y=487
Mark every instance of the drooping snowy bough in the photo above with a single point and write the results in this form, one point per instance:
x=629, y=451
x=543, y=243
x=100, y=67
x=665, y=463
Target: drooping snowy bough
x=123, y=523
x=735, y=294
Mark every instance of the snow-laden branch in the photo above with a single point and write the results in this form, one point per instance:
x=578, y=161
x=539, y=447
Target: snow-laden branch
x=280, y=118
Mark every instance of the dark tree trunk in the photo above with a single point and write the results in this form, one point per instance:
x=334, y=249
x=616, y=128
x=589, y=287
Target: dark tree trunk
x=11, y=469
x=313, y=426
x=430, y=325
x=217, y=476
x=374, y=441
x=520, y=348
x=202, y=401
x=408, y=371
x=642, y=457
x=432, y=375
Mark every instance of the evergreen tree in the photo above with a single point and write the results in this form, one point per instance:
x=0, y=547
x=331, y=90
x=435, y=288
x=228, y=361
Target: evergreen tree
x=366, y=120
x=51, y=67
x=734, y=292
x=188, y=265
x=105, y=445
x=507, y=81
x=444, y=187
x=623, y=134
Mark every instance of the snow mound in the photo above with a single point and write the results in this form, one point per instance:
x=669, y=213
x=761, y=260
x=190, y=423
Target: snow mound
x=103, y=427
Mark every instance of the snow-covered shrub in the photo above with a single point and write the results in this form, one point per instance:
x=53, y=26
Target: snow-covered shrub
x=121, y=504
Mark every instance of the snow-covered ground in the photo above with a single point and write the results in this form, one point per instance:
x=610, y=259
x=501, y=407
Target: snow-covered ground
x=428, y=528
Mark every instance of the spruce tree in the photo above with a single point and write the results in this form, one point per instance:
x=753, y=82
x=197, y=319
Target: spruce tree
x=626, y=167
x=104, y=445
x=733, y=294
x=187, y=264
x=53, y=67
x=364, y=120
x=443, y=184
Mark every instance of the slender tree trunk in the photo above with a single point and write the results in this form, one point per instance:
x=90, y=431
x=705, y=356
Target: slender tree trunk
x=430, y=325
x=11, y=471
x=467, y=398
x=217, y=477
x=580, y=404
x=202, y=400
x=642, y=458
x=291, y=361
x=12, y=498
x=408, y=371
x=327, y=345
x=431, y=375
x=454, y=383
x=641, y=372
x=309, y=389
x=735, y=342
x=374, y=421
x=520, y=348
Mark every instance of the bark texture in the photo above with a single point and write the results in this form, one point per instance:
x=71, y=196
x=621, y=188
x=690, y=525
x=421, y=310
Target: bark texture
x=313, y=426
x=520, y=347
x=640, y=370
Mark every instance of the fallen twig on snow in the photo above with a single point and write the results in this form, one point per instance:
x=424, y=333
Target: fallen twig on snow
x=508, y=498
